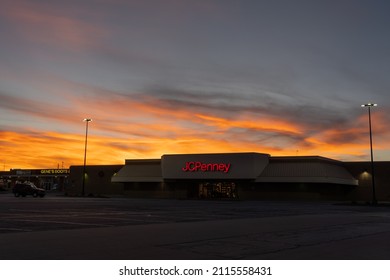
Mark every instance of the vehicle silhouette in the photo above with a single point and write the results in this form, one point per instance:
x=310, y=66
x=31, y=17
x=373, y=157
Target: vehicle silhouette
x=27, y=188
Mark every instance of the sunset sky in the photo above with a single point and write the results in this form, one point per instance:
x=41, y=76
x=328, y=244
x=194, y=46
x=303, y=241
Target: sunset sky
x=191, y=76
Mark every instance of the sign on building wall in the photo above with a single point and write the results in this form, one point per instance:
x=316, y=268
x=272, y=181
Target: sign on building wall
x=39, y=172
x=55, y=172
x=214, y=166
x=198, y=166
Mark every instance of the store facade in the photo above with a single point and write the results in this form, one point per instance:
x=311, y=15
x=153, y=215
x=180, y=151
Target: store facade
x=236, y=176
x=229, y=176
x=48, y=179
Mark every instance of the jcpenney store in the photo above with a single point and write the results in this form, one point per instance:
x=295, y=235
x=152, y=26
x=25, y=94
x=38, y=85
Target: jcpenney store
x=236, y=176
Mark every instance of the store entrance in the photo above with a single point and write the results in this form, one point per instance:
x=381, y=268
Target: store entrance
x=218, y=190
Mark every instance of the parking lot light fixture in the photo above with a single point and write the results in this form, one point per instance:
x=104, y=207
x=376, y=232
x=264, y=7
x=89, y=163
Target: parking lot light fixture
x=369, y=105
x=85, y=154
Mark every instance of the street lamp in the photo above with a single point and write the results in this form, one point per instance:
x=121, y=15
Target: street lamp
x=85, y=153
x=369, y=105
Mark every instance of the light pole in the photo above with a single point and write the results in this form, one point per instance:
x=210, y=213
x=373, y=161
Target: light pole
x=85, y=153
x=369, y=105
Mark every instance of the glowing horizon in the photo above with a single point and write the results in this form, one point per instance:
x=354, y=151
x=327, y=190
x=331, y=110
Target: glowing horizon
x=42, y=149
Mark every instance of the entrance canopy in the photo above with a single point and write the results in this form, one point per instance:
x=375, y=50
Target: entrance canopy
x=148, y=170
x=306, y=170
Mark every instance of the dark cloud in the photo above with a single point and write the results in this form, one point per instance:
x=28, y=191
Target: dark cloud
x=234, y=104
x=21, y=106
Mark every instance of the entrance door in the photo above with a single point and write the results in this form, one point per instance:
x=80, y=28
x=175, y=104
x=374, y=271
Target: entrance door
x=218, y=190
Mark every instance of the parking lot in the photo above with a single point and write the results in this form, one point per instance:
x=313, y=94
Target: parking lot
x=54, y=212
x=58, y=227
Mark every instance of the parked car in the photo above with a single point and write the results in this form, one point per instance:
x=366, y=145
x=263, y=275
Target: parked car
x=27, y=188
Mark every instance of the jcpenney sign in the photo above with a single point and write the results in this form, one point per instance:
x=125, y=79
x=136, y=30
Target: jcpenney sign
x=194, y=166
x=213, y=166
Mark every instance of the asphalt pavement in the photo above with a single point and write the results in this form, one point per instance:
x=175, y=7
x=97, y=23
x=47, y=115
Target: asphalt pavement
x=67, y=228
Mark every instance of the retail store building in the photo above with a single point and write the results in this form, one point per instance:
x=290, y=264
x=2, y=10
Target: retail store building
x=48, y=179
x=245, y=176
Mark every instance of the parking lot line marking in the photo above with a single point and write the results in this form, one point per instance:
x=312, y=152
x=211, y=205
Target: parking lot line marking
x=15, y=229
x=63, y=222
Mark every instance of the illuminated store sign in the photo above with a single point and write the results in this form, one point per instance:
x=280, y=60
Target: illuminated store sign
x=194, y=166
x=55, y=171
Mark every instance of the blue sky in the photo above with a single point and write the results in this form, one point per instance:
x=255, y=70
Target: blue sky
x=170, y=76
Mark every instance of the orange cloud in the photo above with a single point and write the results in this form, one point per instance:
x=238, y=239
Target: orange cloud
x=49, y=149
x=40, y=149
x=143, y=126
x=263, y=124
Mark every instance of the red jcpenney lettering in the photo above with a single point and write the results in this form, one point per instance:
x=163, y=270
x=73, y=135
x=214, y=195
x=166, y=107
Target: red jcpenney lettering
x=193, y=166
